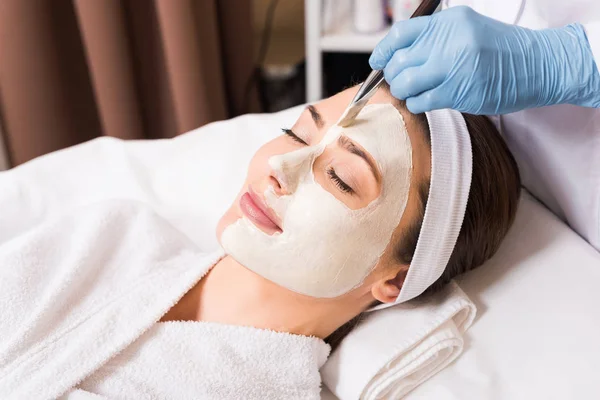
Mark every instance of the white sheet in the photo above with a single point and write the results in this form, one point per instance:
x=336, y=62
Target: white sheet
x=538, y=299
x=539, y=318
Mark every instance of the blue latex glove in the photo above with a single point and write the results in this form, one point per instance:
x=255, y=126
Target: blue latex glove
x=463, y=60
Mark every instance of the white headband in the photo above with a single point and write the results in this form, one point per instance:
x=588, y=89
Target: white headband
x=451, y=169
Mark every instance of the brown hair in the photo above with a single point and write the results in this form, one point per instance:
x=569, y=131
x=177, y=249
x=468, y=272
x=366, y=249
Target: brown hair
x=491, y=208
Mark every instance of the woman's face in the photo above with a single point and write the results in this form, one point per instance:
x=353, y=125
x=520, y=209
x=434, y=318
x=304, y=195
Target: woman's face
x=320, y=206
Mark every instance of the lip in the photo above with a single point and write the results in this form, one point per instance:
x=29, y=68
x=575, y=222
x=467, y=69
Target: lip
x=256, y=210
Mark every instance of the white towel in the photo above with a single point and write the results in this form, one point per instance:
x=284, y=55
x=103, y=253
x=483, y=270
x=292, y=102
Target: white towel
x=396, y=349
x=78, y=289
x=201, y=360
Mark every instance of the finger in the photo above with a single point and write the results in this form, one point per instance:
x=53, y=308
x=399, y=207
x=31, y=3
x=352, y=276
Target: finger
x=433, y=99
x=401, y=35
x=401, y=60
x=415, y=80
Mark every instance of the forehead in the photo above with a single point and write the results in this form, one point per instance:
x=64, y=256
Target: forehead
x=379, y=129
x=332, y=107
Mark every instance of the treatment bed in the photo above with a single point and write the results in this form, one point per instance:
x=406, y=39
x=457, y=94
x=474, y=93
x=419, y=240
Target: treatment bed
x=538, y=299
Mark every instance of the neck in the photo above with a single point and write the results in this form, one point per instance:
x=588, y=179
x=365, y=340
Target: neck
x=232, y=294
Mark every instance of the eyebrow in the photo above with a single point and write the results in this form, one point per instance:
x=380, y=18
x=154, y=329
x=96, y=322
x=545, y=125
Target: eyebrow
x=347, y=144
x=316, y=116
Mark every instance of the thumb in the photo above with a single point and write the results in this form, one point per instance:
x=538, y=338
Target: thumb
x=433, y=99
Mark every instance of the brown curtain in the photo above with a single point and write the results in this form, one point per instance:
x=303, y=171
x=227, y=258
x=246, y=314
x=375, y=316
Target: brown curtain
x=72, y=70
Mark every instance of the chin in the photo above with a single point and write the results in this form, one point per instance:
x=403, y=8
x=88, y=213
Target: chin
x=231, y=215
x=224, y=222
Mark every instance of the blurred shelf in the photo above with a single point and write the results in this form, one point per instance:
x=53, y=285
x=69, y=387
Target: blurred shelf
x=340, y=38
x=345, y=39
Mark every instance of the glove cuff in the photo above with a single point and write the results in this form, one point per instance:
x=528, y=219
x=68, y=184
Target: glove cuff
x=577, y=76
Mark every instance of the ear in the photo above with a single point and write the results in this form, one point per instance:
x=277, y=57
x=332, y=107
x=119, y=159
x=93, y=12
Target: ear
x=387, y=289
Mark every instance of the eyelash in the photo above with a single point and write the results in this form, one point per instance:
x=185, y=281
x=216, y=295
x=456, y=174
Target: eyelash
x=295, y=137
x=331, y=172
x=339, y=182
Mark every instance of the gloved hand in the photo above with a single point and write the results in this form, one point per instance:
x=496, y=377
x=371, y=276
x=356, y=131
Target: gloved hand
x=463, y=60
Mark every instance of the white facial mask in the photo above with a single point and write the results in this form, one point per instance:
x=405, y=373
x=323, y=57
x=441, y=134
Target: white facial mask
x=326, y=249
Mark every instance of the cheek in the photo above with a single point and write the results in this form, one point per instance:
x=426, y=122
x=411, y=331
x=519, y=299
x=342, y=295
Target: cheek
x=258, y=169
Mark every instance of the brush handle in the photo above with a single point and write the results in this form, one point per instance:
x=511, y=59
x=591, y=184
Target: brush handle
x=427, y=7
x=375, y=78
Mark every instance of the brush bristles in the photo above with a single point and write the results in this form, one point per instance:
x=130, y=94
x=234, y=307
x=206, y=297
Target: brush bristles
x=349, y=116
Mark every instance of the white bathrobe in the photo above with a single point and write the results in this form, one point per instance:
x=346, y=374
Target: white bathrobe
x=80, y=297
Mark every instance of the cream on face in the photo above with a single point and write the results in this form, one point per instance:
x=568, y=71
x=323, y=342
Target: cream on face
x=326, y=249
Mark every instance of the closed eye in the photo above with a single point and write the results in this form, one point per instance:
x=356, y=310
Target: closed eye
x=295, y=137
x=339, y=182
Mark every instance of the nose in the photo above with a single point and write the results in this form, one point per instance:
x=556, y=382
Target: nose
x=276, y=184
x=282, y=177
x=288, y=169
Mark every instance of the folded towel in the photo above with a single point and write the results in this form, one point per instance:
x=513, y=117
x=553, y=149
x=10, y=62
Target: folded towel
x=395, y=350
